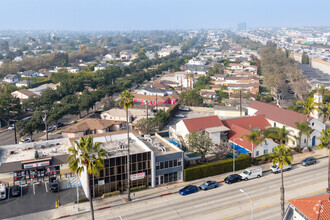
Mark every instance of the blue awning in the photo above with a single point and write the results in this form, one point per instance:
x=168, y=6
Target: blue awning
x=174, y=142
x=240, y=149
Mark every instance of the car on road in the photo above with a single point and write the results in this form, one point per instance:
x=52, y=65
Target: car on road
x=188, y=190
x=179, y=115
x=250, y=173
x=50, y=129
x=15, y=191
x=308, y=161
x=209, y=185
x=11, y=127
x=54, y=185
x=24, y=140
x=185, y=109
x=58, y=125
x=276, y=169
x=233, y=178
x=3, y=191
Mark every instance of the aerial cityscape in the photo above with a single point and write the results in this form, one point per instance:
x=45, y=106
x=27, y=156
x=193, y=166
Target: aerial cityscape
x=165, y=110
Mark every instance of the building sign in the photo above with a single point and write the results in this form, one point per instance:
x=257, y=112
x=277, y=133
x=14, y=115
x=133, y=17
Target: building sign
x=138, y=176
x=40, y=164
x=100, y=182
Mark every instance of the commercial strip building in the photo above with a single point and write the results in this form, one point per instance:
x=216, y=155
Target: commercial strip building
x=154, y=162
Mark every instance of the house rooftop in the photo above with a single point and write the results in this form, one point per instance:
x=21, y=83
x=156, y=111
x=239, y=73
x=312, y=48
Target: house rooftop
x=25, y=92
x=90, y=124
x=200, y=124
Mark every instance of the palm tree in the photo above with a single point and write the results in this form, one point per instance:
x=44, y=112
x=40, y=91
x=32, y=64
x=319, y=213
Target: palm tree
x=254, y=138
x=308, y=106
x=325, y=139
x=126, y=100
x=302, y=127
x=283, y=135
x=87, y=155
x=282, y=157
x=324, y=111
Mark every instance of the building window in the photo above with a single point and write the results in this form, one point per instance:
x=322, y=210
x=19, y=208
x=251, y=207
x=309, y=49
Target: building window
x=313, y=124
x=305, y=141
x=257, y=153
x=265, y=151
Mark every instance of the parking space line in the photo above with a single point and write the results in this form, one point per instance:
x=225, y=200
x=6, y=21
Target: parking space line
x=46, y=186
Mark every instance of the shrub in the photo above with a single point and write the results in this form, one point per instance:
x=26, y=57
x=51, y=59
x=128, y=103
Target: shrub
x=81, y=200
x=310, y=149
x=298, y=149
x=173, y=109
x=114, y=193
x=216, y=168
x=138, y=188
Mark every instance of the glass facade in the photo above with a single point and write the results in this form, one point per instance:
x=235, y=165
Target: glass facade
x=114, y=175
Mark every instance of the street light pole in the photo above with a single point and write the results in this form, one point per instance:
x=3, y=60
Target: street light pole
x=45, y=121
x=242, y=191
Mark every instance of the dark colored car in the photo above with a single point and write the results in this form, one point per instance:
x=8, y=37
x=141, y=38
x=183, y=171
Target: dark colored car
x=59, y=124
x=15, y=191
x=308, y=161
x=188, y=190
x=54, y=185
x=209, y=185
x=233, y=178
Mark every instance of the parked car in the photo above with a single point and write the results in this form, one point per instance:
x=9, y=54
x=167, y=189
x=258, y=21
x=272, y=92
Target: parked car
x=59, y=124
x=308, y=161
x=179, y=115
x=209, y=185
x=276, y=169
x=24, y=140
x=11, y=127
x=15, y=191
x=3, y=191
x=54, y=185
x=185, y=109
x=188, y=190
x=50, y=129
x=252, y=172
x=233, y=178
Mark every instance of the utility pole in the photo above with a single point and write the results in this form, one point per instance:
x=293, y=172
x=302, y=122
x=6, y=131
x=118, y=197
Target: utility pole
x=181, y=84
x=156, y=104
x=147, y=108
x=240, y=102
x=45, y=121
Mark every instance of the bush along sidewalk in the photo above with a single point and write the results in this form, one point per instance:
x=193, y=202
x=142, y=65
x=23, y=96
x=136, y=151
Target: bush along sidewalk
x=216, y=168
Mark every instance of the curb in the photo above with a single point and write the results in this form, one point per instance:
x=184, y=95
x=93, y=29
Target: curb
x=105, y=207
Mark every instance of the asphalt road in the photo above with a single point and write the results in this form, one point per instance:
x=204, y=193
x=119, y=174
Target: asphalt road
x=227, y=202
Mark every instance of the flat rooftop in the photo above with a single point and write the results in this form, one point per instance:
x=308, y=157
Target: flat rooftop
x=19, y=152
x=160, y=146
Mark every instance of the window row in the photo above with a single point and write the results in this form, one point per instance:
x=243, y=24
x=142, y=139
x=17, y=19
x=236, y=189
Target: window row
x=168, y=164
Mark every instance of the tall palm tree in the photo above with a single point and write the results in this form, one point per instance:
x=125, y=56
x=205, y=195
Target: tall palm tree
x=308, y=106
x=255, y=137
x=324, y=111
x=325, y=143
x=87, y=155
x=282, y=157
x=126, y=101
x=302, y=127
x=283, y=135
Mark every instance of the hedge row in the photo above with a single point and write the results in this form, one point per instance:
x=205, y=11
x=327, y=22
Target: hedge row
x=34, y=85
x=114, y=193
x=134, y=189
x=173, y=109
x=216, y=168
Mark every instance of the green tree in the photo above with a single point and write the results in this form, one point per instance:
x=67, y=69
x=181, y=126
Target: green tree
x=88, y=157
x=324, y=111
x=303, y=128
x=126, y=101
x=281, y=157
x=147, y=125
x=308, y=106
x=200, y=143
x=325, y=140
x=254, y=137
x=304, y=58
x=9, y=106
x=191, y=98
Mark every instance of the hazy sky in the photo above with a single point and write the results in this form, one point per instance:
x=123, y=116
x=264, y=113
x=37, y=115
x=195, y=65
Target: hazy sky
x=159, y=14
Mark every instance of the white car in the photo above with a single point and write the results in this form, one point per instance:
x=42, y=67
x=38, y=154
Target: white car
x=11, y=127
x=276, y=169
x=3, y=191
x=179, y=115
x=251, y=172
x=25, y=140
x=185, y=109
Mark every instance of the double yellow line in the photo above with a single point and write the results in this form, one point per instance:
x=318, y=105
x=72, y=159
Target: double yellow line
x=240, y=203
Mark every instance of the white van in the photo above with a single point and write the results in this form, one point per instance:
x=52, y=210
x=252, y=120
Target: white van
x=276, y=169
x=251, y=172
x=3, y=192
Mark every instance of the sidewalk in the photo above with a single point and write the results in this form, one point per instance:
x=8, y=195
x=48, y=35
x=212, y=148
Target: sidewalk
x=99, y=203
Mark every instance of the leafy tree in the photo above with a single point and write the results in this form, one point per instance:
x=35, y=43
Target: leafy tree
x=324, y=111
x=200, y=143
x=282, y=157
x=304, y=58
x=303, y=128
x=191, y=98
x=254, y=137
x=36, y=155
x=162, y=117
x=9, y=106
x=126, y=101
x=87, y=156
x=308, y=105
x=325, y=140
x=147, y=125
x=48, y=97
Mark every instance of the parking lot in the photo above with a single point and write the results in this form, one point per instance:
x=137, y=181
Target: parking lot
x=36, y=198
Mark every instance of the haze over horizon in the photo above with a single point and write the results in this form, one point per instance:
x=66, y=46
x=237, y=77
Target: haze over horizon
x=102, y=15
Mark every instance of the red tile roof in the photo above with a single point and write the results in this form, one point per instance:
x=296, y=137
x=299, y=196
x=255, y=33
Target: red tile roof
x=200, y=124
x=240, y=126
x=280, y=115
x=315, y=208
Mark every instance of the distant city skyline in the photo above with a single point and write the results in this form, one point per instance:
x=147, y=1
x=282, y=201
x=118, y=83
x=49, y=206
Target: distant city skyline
x=129, y=15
